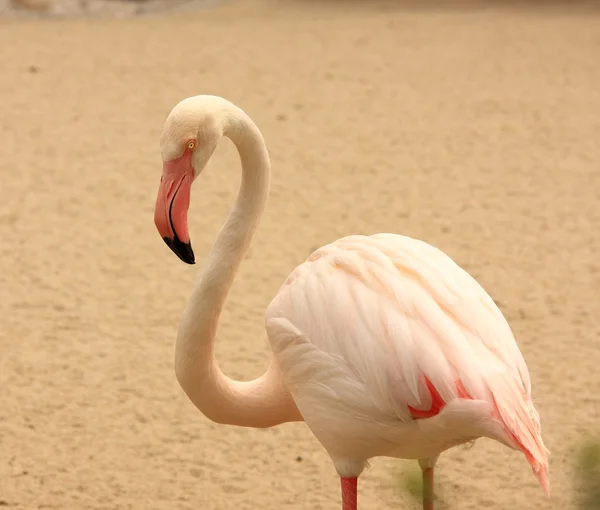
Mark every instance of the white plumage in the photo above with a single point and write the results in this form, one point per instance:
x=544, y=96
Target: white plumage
x=365, y=322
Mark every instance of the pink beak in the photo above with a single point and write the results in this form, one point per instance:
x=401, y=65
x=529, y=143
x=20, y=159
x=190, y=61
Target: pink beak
x=172, y=203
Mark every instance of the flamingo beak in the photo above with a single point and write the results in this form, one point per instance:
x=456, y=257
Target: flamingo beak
x=172, y=204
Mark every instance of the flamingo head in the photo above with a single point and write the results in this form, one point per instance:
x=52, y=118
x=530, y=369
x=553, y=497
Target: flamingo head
x=190, y=135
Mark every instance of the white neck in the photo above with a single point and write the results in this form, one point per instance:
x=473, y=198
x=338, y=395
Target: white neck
x=263, y=402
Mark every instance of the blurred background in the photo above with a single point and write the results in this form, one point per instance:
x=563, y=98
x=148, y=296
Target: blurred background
x=474, y=126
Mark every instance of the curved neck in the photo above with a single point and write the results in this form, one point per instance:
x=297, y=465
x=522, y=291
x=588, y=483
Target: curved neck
x=263, y=402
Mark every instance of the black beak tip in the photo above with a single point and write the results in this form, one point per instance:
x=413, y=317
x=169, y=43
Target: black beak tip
x=182, y=250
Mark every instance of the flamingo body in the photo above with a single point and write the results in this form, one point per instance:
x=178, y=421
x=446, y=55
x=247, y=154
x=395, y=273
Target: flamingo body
x=391, y=349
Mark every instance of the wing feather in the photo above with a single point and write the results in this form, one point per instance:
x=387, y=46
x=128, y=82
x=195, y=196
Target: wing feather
x=411, y=326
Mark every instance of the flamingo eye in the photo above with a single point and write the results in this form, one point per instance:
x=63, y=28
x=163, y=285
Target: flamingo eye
x=191, y=144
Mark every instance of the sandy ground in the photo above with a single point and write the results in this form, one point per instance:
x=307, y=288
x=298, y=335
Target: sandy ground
x=474, y=128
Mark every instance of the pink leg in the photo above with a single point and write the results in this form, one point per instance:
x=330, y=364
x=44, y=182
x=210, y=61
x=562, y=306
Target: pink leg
x=349, y=493
x=428, y=496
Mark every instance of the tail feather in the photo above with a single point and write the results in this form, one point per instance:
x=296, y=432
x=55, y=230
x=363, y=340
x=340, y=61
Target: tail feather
x=521, y=424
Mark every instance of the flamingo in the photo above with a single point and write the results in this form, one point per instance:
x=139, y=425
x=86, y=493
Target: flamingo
x=381, y=344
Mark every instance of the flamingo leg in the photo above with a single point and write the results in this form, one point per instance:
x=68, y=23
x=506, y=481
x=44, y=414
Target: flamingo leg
x=349, y=493
x=428, y=495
